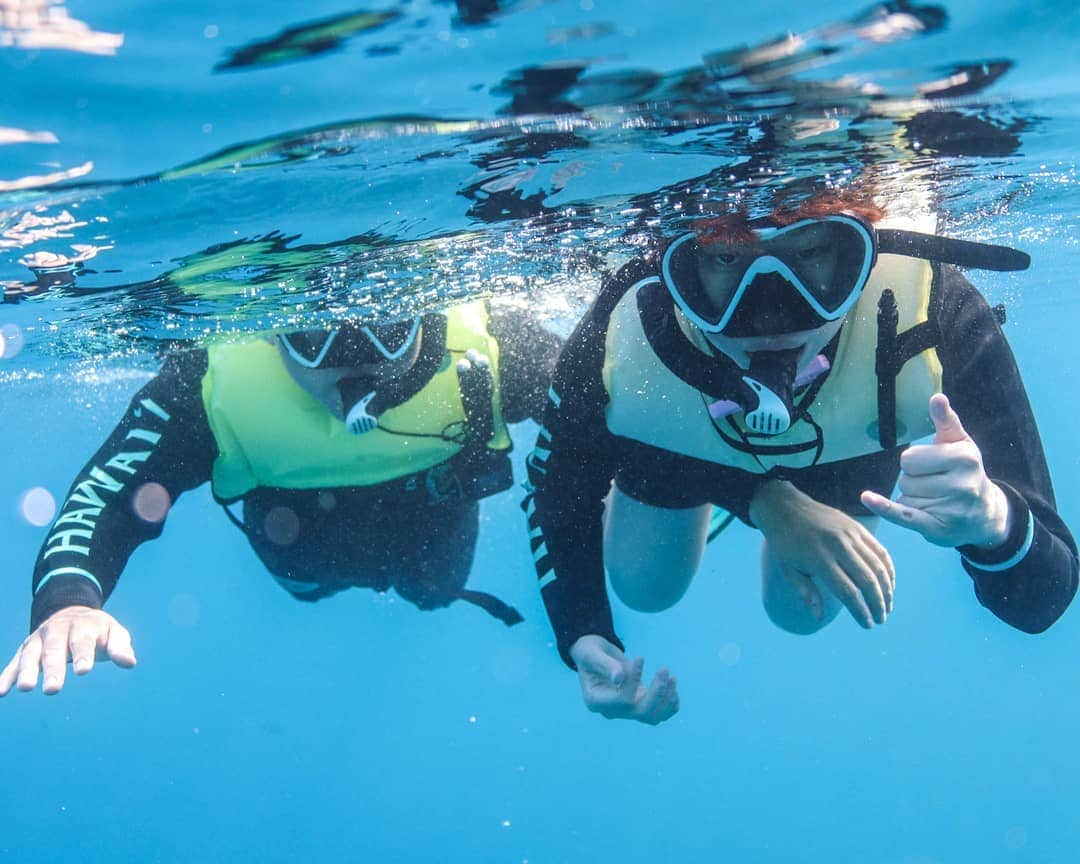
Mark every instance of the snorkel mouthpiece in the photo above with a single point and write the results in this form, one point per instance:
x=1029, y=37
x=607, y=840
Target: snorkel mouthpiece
x=770, y=382
x=356, y=395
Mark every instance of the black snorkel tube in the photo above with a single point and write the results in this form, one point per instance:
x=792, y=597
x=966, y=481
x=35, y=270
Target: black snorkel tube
x=969, y=254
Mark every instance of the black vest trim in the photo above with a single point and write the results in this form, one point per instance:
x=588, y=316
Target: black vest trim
x=895, y=349
x=716, y=377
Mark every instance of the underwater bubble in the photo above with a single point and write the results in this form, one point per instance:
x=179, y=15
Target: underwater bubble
x=11, y=341
x=183, y=611
x=282, y=526
x=730, y=653
x=1016, y=837
x=151, y=502
x=37, y=506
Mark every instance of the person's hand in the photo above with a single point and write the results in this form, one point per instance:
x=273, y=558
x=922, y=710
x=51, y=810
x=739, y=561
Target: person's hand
x=78, y=633
x=811, y=541
x=611, y=684
x=945, y=494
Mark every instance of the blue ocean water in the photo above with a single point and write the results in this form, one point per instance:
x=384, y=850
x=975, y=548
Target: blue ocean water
x=214, y=184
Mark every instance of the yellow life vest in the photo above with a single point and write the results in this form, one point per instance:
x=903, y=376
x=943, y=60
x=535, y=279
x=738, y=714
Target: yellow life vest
x=650, y=403
x=271, y=432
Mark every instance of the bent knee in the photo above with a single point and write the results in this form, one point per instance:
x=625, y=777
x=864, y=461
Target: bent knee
x=793, y=616
x=795, y=623
x=647, y=588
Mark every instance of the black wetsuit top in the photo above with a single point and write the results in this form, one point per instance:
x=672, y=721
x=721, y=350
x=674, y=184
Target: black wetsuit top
x=577, y=458
x=165, y=439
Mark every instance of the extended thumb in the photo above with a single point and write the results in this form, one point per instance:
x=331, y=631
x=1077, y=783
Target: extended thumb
x=947, y=425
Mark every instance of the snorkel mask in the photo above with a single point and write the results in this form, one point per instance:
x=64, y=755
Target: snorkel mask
x=352, y=346
x=769, y=279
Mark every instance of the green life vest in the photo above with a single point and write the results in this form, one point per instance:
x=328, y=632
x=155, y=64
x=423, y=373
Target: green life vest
x=271, y=432
x=650, y=403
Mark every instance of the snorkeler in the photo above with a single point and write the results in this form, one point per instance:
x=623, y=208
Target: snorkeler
x=359, y=454
x=781, y=368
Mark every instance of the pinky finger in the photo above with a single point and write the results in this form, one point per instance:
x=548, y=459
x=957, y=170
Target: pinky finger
x=119, y=647
x=897, y=513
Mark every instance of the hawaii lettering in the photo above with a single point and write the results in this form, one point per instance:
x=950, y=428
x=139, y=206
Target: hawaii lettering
x=73, y=531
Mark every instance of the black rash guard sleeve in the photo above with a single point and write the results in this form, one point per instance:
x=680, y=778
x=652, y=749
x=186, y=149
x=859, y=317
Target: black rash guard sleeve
x=570, y=473
x=163, y=439
x=1033, y=588
x=527, y=355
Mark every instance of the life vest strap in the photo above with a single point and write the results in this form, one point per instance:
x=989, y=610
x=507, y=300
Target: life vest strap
x=491, y=604
x=893, y=351
x=477, y=386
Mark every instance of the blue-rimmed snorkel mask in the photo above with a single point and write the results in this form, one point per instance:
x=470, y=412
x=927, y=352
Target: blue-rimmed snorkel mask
x=352, y=346
x=812, y=271
x=778, y=279
x=769, y=279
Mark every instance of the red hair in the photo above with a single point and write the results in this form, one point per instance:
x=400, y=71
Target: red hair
x=733, y=229
x=854, y=201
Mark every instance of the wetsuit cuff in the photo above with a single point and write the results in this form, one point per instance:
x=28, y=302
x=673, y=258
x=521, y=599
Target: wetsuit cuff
x=59, y=592
x=1017, y=544
x=566, y=642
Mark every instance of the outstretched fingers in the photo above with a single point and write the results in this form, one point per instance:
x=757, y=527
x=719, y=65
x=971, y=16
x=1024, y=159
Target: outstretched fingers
x=81, y=635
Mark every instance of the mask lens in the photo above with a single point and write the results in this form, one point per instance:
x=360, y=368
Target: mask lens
x=308, y=347
x=830, y=258
x=826, y=260
x=351, y=345
x=684, y=267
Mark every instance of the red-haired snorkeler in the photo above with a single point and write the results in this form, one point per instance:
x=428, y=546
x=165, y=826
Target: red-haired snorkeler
x=781, y=368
